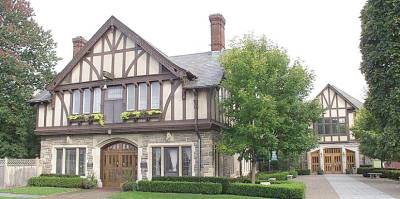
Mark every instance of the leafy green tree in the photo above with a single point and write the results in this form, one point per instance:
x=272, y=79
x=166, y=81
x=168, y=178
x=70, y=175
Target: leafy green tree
x=373, y=142
x=266, y=103
x=380, y=48
x=27, y=60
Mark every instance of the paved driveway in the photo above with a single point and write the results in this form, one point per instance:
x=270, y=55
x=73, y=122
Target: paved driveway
x=86, y=194
x=349, y=187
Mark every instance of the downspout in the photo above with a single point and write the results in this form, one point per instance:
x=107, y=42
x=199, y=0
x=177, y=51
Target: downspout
x=196, y=129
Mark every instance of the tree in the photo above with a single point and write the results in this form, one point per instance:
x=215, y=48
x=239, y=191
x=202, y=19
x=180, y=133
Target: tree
x=266, y=103
x=373, y=142
x=27, y=60
x=380, y=48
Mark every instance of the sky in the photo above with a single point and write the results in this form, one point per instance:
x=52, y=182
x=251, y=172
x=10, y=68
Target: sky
x=324, y=34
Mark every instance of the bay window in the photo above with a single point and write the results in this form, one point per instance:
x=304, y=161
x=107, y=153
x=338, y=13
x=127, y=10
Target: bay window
x=76, y=102
x=130, y=98
x=96, y=100
x=142, y=96
x=86, y=100
x=70, y=161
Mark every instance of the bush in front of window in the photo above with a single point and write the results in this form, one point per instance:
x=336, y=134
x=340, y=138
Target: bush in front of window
x=129, y=186
x=180, y=187
x=275, y=190
x=221, y=180
x=62, y=181
x=277, y=175
x=58, y=175
x=303, y=171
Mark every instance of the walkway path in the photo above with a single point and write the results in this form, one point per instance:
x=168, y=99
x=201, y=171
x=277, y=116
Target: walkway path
x=13, y=195
x=87, y=194
x=351, y=188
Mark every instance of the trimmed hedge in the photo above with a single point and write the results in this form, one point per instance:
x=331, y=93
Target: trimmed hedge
x=221, y=180
x=180, y=187
x=278, y=175
x=129, y=186
x=386, y=173
x=284, y=190
x=59, y=175
x=46, y=181
x=303, y=171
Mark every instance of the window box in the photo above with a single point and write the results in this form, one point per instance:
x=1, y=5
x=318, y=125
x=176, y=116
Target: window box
x=136, y=115
x=90, y=118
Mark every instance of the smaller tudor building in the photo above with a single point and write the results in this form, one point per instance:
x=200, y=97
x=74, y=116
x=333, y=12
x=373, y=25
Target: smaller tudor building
x=338, y=150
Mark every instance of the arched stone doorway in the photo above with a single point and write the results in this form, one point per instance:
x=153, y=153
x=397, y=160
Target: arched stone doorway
x=118, y=163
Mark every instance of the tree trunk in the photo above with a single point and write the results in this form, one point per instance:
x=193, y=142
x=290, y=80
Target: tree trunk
x=253, y=170
x=382, y=164
x=240, y=168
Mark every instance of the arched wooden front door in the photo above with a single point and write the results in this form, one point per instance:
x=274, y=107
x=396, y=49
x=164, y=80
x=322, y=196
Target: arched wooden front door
x=118, y=163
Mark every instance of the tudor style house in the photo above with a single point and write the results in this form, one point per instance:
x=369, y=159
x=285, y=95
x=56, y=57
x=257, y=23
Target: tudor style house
x=338, y=150
x=121, y=108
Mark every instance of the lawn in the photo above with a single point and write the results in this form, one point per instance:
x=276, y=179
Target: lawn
x=153, y=195
x=37, y=190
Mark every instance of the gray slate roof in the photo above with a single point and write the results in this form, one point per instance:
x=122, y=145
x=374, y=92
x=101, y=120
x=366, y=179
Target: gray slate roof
x=205, y=66
x=350, y=98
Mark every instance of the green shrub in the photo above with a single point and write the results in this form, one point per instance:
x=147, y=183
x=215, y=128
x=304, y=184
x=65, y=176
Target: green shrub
x=278, y=175
x=46, y=181
x=366, y=165
x=391, y=174
x=320, y=171
x=221, y=180
x=303, y=171
x=362, y=170
x=62, y=181
x=294, y=173
x=180, y=187
x=59, y=175
x=283, y=190
x=129, y=186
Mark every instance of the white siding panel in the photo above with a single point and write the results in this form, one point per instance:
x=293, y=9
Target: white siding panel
x=75, y=74
x=57, y=112
x=154, y=66
x=341, y=102
x=130, y=56
x=189, y=105
x=178, y=107
x=118, y=65
x=120, y=45
x=41, y=110
x=166, y=91
x=141, y=68
x=67, y=101
x=85, y=72
x=49, y=116
x=130, y=43
x=107, y=63
x=97, y=47
x=202, y=104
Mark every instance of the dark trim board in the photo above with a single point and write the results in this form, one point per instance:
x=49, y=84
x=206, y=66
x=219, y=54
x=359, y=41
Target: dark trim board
x=156, y=126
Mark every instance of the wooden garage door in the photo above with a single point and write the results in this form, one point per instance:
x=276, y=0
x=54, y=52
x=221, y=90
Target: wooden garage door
x=119, y=163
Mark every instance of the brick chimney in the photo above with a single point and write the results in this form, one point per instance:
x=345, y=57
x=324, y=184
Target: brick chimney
x=78, y=43
x=217, y=22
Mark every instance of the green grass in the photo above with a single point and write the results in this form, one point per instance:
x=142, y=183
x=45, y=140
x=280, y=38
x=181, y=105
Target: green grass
x=37, y=190
x=153, y=195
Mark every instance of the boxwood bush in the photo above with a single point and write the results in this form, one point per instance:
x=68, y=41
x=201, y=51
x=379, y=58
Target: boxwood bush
x=129, y=186
x=59, y=175
x=303, y=171
x=277, y=175
x=221, y=180
x=386, y=172
x=180, y=187
x=283, y=190
x=67, y=182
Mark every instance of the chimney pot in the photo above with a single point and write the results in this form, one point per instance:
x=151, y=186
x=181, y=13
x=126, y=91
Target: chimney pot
x=217, y=22
x=78, y=43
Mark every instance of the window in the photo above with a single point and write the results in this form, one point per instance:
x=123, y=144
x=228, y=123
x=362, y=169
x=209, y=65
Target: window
x=96, y=100
x=156, y=161
x=142, y=96
x=331, y=125
x=155, y=95
x=186, y=161
x=114, y=92
x=76, y=102
x=59, y=161
x=177, y=161
x=171, y=161
x=86, y=100
x=71, y=161
x=130, y=98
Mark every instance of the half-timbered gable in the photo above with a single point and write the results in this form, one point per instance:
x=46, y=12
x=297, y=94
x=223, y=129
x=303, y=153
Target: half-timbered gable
x=121, y=106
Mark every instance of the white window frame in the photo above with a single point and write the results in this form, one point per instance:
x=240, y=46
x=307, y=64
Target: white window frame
x=155, y=99
x=85, y=98
x=96, y=102
x=76, y=102
x=64, y=147
x=162, y=146
x=132, y=101
x=141, y=101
